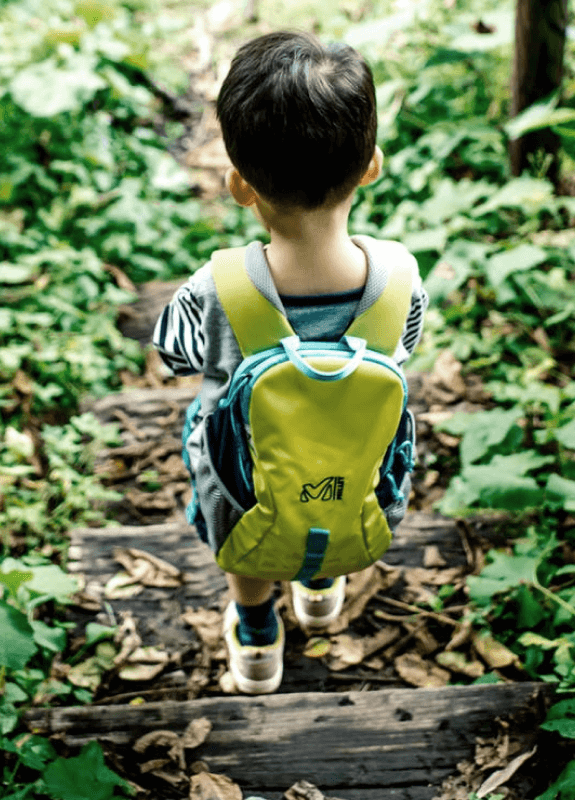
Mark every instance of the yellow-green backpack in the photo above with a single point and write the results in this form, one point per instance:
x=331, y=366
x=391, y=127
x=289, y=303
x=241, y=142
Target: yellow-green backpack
x=313, y=439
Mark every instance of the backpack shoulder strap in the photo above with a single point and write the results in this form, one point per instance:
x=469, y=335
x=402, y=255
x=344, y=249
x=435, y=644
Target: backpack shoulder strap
x=256, y=323
x=381, y=325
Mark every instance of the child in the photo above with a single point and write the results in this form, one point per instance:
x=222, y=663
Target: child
x=299, y=124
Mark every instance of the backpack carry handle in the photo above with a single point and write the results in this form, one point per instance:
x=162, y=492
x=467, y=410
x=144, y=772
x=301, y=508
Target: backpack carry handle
x=358, y=346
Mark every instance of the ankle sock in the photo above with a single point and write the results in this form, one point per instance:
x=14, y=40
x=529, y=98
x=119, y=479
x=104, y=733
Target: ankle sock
x=320, y=583
x=258, y=625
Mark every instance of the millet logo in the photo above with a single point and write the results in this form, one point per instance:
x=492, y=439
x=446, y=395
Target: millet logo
x=328, y=489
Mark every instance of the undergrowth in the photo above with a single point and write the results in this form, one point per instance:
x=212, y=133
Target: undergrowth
x=90, y=201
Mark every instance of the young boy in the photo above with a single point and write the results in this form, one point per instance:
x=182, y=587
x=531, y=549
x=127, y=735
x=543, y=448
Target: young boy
x=299, y=124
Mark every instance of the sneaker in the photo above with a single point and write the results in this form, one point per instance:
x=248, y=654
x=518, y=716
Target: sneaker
x=316, y=608
x=255, y=670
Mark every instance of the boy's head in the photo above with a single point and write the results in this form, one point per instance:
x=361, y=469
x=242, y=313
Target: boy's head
x=299, y=119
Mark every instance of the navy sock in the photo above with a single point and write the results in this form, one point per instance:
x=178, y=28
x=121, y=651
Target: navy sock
x=320, y=583
x=258, y=625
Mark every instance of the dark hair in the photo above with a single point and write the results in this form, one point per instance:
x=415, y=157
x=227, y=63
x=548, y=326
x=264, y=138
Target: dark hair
x=298, y=118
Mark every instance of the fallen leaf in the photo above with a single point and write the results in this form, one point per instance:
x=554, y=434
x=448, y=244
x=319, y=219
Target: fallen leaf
x=457, y=662
x=121, y=587
x=383, y=638
x=317, y=647
x=432, y=557
x=208, y=786
x=144, y=664
x=154, y=764
x=206, y=623
x=418, y=672
x=345, y=652
x=494, y=653
x=147, y=569
x=303, y=790
x=197, y=732
x=500, y=777
x=156, y=739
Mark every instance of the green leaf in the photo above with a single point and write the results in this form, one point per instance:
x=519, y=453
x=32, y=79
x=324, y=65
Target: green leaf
x=16, y=638
x=521, y=258
x=529, y=194
x=85, y=777
x=542, y=114
x=566, y=435
x=53, y=639
x=482, y=431
x=17, y=273
x=505, y=572
x=560, y=492
x=564, y=787
x=13, y=580
x=566, y=727
x=46, y=89
x=8, y=717
x=47, y=582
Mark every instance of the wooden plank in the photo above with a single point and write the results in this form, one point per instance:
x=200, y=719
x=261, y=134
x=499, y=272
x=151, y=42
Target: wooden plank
x=359, y=740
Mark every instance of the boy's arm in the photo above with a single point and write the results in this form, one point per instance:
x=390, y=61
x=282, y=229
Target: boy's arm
x=178, y=335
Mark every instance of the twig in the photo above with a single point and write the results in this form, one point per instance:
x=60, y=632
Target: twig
x=423, y=612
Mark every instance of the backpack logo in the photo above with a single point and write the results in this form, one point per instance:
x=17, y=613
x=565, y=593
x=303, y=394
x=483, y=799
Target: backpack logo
x=328, y=489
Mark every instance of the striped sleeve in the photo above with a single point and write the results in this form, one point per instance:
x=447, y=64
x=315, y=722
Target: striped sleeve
x=414, y=325
x=178, y=335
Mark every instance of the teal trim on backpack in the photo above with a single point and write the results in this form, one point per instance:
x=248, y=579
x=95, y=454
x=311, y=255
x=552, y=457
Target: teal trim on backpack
x=316, y=545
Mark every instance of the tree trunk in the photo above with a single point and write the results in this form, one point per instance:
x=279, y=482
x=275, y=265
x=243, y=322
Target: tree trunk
x=540, y=28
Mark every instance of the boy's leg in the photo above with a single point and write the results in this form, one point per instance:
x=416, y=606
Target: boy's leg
x=249, y=591
x=254, y=635
x=258, y=621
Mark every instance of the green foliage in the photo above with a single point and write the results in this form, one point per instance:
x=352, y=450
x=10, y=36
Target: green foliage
x=28, y=644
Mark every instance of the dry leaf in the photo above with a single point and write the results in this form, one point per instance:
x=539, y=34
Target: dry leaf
x=383, y=638
x=122, y=586
x=360, y=588
x=156, y=739
x=206, y=623
x=447, y=373
x=417, y=672
x=154, y=764
x=144, y=664
x=345, y=652
x=197, y=732
x=208, y=786
x=147, y=569
x=494, y=653
x=456, y=662
x=503, y=775
x=303, y=790
x=432, y=557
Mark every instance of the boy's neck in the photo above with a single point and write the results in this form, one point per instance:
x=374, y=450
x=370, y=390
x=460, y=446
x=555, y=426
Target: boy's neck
x=311, y=253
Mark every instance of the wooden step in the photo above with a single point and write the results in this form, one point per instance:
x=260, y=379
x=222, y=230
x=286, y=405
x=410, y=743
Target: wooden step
x=395, y=743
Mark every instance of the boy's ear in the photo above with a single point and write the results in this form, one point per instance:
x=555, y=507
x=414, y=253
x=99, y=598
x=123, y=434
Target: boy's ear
x=373, y=171
x=239, y=189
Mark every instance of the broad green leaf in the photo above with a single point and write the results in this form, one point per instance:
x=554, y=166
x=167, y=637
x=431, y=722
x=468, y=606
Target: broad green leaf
x=560, y=492
x=563, y=788
x=505, y=572
x=483, y=431
x=523, y=257
x=566, y=727
x=34, y=751
x=566, y=435
x=84, y=777
x=52, y=638
x=16, y=273
x=8, y=717
x=529, y=194
x=45, y=89
x=13, y=580
x=542, y=114
x=16, y=638
x=430, y=239
x=48, y=582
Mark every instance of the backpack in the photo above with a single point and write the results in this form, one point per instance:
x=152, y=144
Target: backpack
x=312, y=444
